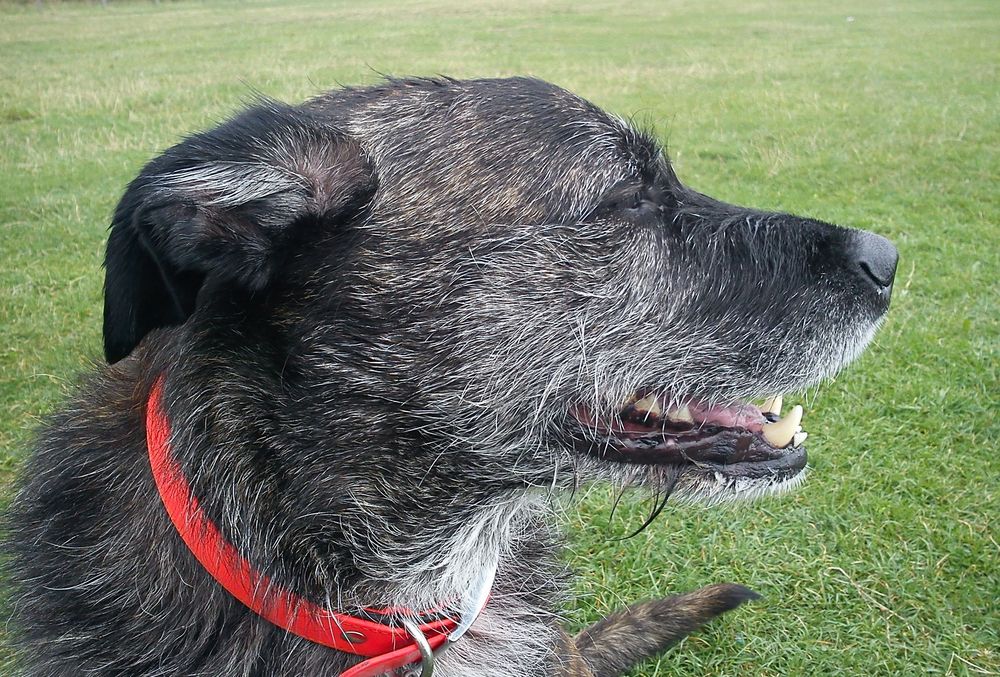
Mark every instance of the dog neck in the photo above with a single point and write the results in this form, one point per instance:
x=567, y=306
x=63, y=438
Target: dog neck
x=375, y=637
x=462, y=573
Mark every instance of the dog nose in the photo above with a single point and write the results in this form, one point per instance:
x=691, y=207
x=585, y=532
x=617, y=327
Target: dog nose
x=876, y=259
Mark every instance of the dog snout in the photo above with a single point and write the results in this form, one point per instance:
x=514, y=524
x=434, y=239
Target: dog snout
x=875, y=259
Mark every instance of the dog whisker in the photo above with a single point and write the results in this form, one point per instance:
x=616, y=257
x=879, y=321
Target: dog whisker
x=388, y=332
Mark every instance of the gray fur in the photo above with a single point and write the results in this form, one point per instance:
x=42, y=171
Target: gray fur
x=383, y=306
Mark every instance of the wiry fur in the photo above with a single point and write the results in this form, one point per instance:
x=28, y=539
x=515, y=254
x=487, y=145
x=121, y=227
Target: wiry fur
x=616, y=643
x=373, y=313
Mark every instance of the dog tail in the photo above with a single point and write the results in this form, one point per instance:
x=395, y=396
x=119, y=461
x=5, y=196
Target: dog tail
x=613, y=645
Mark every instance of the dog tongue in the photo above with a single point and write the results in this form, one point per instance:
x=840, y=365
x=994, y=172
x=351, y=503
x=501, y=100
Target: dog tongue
x=741, y=415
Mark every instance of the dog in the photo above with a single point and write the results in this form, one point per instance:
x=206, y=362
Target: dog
x=356, y=346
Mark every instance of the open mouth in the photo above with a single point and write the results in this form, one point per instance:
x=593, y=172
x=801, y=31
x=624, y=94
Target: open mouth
x=738, y=440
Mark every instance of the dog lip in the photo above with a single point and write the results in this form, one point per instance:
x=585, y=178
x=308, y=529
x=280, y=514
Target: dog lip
x=654, y=412
x=734, y=450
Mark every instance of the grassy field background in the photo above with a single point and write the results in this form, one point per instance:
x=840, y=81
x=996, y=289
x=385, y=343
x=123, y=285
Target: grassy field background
x=882, y=115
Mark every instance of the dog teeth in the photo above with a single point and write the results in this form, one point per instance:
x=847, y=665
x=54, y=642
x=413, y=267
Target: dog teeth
x=780, y=433
x=799, y=438
x=772, y=405
x=649, y=406
x=682, y=414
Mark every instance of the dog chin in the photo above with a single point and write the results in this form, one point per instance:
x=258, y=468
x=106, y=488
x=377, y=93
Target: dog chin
x=719, y=488
x=693, y=484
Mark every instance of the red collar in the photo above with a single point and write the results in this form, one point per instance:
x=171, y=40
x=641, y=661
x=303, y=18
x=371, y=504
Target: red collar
x=388, y=646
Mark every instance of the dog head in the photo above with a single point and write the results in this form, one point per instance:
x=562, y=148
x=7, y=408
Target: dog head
x=489, y=286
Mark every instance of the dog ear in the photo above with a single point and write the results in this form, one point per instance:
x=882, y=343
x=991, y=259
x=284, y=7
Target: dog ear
x=224, y=204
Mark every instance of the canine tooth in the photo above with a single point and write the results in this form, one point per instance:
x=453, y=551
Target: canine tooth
x=773, y=405
x=799, y=438
x=682, y=413
x=648, y=405
x=780, y=433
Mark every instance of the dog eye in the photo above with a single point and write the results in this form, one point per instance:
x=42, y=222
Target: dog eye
x=625, y=201
x=641, y=204
x=635, y=202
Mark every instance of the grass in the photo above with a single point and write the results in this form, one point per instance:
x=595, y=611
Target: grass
x=881, y=115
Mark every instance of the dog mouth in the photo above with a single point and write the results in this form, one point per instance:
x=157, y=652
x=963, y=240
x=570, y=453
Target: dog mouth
x=733, y=441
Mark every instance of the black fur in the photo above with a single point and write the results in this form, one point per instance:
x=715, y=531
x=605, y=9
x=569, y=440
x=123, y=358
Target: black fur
x=226, y=204
x=374, y=314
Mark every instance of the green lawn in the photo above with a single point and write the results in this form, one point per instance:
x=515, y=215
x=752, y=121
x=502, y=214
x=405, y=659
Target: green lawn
x=882, y=115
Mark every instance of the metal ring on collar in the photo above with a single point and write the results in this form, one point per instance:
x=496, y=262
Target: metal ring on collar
x=426, y=653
